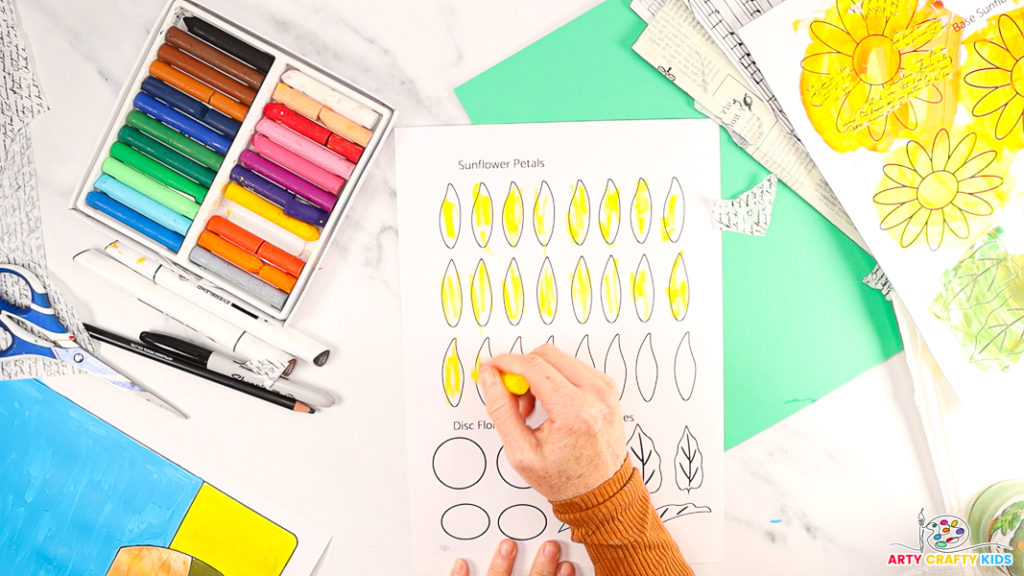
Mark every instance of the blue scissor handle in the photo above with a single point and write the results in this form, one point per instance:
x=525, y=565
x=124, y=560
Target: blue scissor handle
x=23, y=342
x=40, y=312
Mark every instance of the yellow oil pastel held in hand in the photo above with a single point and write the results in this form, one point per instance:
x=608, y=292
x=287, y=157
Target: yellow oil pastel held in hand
x=452, y=374
x=643, y=290
x=483, y=214
x=512, y=293
x=674, y=213
x=512, y=215
x=514, y=383
x=450, y=218
x=451, y=295
x=544, y=214
x=480, y=294
x=611, y=290
x=547, y=293
x=679, y=289
x=640, y=212
x=581, y=291
x=579, y=214
x=608, y=216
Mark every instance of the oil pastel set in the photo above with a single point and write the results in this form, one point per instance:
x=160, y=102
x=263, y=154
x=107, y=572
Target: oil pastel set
x=232, y=158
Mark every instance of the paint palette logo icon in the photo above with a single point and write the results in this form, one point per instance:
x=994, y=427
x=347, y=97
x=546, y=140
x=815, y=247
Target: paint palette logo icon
x=948, y=532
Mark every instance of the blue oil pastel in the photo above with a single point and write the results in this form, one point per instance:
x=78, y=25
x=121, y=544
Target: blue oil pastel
x=74, y=489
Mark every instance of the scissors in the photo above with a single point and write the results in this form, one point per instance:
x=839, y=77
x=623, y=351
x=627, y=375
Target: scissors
x=36, y=331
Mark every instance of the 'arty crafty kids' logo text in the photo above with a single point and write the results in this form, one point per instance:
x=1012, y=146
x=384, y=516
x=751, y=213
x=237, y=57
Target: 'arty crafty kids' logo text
x=943, y=541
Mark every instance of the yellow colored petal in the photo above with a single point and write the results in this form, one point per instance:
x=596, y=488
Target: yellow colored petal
x=918, y=35
x=1009, y=118
x=674, y=214
x=512, y=215
x=940, y=150
x=451, y=295
x=547, y=293
x=906, y=115
x=450, y=218
x=914, y=227
x=988, y=78
x=961, y=152
x=852, y=103
x=995, y=54
x=919, y=159
x=1011, y=35
x=452, y=374
x=853, y=20
x=932, y=94
x=900, y=19
x=483, y=214
x=934, y=229
x=897, y=195
x=902, y=175
x=640, y=212
x=972, y=204
x=833, y=36
x=643, y=290
x=900, y=214
x=679, y=289
x=480, y=294
x=581, y=291
x=993, y=100
x=512, y=293
x=544, y=214
x=877, y=127
x=975, y=165
x=824, y=62
x=579, y=214
x=956, y=221
x=609, y=215
x=978, y=184
x=611, y=290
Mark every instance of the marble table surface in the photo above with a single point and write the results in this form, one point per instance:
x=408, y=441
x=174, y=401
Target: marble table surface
x=827, y=489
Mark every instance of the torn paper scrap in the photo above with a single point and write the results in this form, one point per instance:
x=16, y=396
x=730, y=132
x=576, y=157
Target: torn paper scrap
x=749, y=213
x=21, y=98
x=877, y=280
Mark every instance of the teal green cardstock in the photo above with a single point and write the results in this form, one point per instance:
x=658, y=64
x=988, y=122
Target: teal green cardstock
x=798, y=320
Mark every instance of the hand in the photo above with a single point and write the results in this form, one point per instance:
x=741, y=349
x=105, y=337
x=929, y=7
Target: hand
x=545, y=564
x=580, y=445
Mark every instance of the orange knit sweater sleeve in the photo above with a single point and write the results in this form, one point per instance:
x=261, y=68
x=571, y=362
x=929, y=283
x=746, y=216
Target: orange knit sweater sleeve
x=621, y=530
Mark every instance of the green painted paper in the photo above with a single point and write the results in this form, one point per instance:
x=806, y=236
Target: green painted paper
x=798, y=320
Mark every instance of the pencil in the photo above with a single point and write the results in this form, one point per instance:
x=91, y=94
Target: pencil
x=224, y=380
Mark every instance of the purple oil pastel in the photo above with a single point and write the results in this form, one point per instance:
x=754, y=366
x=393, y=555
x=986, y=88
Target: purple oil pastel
x=318, y=196
x=292, y=206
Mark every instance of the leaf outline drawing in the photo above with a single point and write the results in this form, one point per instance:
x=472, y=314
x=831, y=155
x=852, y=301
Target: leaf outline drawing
x=673, y=511
x=483, y=214
x=450, y=217
x=685, y=368
x=689, y=462
x=451, y=295
x=512, y=215
x=646, y=458
x=646, y=369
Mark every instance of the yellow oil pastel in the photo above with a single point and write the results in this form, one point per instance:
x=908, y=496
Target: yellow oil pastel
x=640, y=212
x=544, y=214
x=231, y=537
x=608, y=216
x=581, y=291
x=450, y=217
x=480, y=294
x=512, y=215
x=512, y=293
x=452, y=375
x=547, y=293
x=451, y=295
x=679, y=289
x=611, y=290
x=876, y=71
x=515, y=383
x=674, y=213
x=993, y=85
x=643, y=290
x=483, y=214
x=579, y=214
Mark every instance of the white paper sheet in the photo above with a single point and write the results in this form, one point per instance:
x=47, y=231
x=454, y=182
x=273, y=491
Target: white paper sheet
x=780, y=41
x=464, y=496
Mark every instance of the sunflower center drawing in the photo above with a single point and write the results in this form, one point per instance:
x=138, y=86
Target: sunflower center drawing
x=937, y=190
x=876, y=60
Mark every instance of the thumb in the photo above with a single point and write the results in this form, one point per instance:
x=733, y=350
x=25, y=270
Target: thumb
x=503, y=408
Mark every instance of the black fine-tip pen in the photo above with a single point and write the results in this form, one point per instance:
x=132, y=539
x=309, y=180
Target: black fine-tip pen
x=163, y=358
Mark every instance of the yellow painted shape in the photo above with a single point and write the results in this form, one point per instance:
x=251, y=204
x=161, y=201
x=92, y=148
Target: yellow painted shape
x=512, y=292
x=231, y=537
x=547, y=293
x=679, y=289
x=451, y=295
x=643, y=290
x=480, y=294
x=582, y=291
x=451, y=217
x=544, y=214
x=512, y=215
x=641, y=211
x=452, y=376
x=483, y=214
x=611, y=290
x=674, y=213
x=993, y=76
x=608, y=217
x=579, y=214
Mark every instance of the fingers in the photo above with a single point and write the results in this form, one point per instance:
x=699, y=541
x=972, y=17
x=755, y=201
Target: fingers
x=504, y=559
x=566, y=569
x=504, y=409
x=546, y=382
x=527, y=402
x=460, y=568
x=546, y=562
x=576, y=372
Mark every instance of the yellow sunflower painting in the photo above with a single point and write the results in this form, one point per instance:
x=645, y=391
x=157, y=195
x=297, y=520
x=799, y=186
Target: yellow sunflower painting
x=994, y=79
x=941, y=187
x=878, y=70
